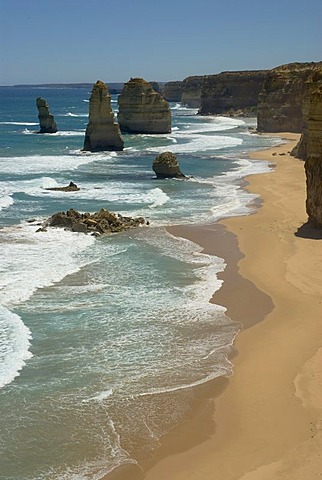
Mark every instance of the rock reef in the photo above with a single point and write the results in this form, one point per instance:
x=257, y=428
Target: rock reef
x=232, y=93
x=166, y=166
x=143, y=110
x=102, y=133
x=46, y=120
x=72, y=187
x=280, y=101
x=99, y=223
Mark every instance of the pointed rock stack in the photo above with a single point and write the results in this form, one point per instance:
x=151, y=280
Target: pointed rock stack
x=102, y=133
x=142, y=110
x=46, y=120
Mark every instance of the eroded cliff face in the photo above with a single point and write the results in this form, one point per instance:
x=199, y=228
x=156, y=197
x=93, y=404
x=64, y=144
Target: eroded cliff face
x=191, y=91
x=172, y=91
x=312, y=141
x=232, y=92
x=46, y=120
x=142, y=110
x=280, y=101
x=102, y=133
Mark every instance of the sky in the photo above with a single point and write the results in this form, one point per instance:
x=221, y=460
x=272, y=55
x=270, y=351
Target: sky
x=75, y=41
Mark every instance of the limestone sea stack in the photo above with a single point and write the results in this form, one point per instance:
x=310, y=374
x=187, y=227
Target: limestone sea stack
x=46, y=120
x=142, y=109
x=102, y=133
x=166, y=166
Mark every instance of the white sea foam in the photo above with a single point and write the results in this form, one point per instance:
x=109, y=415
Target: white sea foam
x=70, y=114
x=43, y=163
x=18, y=123
x=155, y=198
x=194, y=143
x=34, y=260
x=14, y=345
x=5, y=199
x=99, y=397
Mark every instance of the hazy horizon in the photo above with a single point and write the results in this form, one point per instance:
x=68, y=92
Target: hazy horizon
x=76, y=41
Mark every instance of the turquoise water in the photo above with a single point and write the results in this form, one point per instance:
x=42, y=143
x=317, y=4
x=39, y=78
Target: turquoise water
x=102, y=340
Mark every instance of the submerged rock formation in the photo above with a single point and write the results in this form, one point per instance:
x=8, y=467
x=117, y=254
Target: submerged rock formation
x=172, y=91
x=191, y=91
x=102, y=133
x=98, y=223
x=46, y=120
x=280, y=101
x=166, y=166
x=232, y=92
x=142, y=110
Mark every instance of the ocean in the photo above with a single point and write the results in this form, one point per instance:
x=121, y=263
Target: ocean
x=103, y=340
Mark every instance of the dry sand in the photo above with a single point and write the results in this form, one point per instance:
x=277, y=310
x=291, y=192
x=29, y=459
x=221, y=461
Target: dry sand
x=268, y=421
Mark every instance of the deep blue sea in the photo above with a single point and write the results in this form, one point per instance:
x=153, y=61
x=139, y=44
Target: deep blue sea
x=102, y=340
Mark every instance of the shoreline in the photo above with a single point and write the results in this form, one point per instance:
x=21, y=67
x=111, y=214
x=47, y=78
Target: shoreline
x=267, y=422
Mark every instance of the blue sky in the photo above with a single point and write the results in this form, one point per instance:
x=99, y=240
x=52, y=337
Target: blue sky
x=51, y=41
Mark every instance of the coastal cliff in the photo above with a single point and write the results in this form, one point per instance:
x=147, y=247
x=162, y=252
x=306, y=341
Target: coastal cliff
x=191, y=91
x=172, y=91
x=102, y=133
x=280, y=101
x=232, y=92
x=312, y=145
x=46, y=120
x=142, y=109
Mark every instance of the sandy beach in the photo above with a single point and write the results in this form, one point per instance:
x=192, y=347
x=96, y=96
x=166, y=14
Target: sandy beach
x=266, y=424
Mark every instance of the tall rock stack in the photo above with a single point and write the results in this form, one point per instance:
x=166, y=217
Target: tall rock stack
x=102, y=133
x=46, y=120
x=280, y=101
x=142, y=110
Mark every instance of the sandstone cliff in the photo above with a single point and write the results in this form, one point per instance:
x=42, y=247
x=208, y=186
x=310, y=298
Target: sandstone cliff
x=191, y=91
x=142, y=110
x=46, y=120
x=280, y=101
x=232, y=92
x=102, y=133
x=172, y=91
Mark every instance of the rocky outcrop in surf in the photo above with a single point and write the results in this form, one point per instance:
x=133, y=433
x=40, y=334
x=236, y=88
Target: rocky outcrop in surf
x=142, y=109
x=166, y=166
x=46, y=120
x=102, y=133
x=232, y=93
x=281, y=99
x=72, y=187
x=99, y=223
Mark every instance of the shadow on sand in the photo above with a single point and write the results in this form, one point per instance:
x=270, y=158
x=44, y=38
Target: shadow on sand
x=309, y=230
